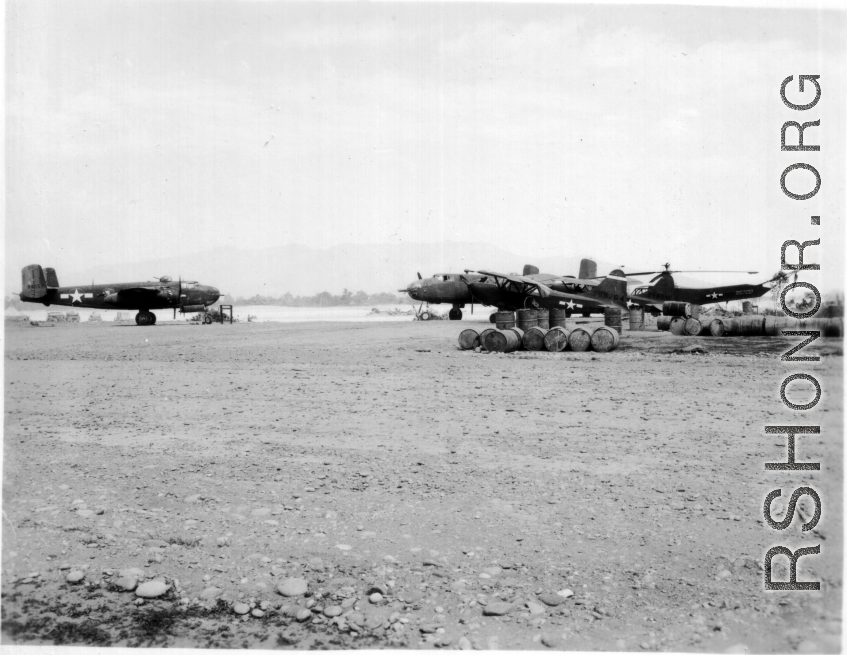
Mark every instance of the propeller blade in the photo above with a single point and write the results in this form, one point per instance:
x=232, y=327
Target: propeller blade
x=419, y=276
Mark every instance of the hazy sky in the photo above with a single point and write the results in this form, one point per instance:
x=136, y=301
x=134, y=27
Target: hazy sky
x=139, y=130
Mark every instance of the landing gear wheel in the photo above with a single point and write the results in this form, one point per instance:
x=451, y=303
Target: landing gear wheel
x=153, y=318
x=207, y=319
x=425, y=315
x=492, y=319
x=144, y=318
x=455, y=314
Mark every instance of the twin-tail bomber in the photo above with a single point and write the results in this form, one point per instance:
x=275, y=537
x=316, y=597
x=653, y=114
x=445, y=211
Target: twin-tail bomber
x=42, y=286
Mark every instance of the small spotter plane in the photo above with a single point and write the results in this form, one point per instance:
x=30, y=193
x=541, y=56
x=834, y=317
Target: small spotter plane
x=519, y=291
x=42, y=286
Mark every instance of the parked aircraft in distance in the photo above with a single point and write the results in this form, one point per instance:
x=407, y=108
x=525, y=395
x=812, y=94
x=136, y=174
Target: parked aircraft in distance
x=42, y=286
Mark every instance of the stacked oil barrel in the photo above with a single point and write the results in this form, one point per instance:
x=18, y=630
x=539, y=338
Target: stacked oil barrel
x=749, y=325
x=541, y=330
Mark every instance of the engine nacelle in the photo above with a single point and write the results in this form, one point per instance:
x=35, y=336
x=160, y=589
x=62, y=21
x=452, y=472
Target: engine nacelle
x=192, y=309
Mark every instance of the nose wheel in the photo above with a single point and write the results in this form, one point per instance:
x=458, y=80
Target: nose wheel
x=455, y=314
x=207, y=319
x=145, y=317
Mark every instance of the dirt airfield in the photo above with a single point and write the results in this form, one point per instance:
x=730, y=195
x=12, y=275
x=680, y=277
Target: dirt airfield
x=429, y=497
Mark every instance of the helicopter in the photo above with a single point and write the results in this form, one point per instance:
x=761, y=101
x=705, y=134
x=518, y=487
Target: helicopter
x=663, y=288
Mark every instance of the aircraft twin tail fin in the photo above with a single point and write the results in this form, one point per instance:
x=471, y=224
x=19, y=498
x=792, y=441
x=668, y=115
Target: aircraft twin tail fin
x=613, y=287
x=587, y=269
x=33, y=282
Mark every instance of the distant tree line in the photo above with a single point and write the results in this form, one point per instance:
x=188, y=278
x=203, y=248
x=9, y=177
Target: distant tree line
x=325, y=299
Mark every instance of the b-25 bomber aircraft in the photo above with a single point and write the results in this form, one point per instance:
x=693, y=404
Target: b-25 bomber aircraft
x=663, y=288
x=42, y=286
x=442, y=288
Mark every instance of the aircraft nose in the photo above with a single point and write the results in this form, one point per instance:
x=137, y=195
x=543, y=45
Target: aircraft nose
x=212, y=295
x=414, y=289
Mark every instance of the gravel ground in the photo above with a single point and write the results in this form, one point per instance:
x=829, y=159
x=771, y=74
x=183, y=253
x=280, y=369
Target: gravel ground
x=369, y=485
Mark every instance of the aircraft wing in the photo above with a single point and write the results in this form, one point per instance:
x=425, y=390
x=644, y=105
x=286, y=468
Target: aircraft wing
x=542, y=289
x=143, y=293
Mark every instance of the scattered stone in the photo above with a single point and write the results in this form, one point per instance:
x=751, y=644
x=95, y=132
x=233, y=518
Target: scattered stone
x=152, y=589
x=565, y=593
x=303, y=615
x=75, y=577
x=126, y=583
x=464, y=643
x=210, y=592
x=552, y=641
x=535, y=608
x=333, y=610
x=241, y=608
x=257, y=613
x=375, y=597
x=497, y=609
x=343, y=547
x=293, y=587
x=553, y=600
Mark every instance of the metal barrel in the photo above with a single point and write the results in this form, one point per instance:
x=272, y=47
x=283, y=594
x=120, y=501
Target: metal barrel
x=636, y=319
x=677, y=326
x=504, y=341
x=834, y=327
x=717, y=328
x=774, y=325
x=695, y=311
x=527, y=318
x=748, y=326
x=747, y=307
x=691, y=327
x=533, y=338
x=605, y=338
x=612, y=318
x=705, y=329
x=556, y=339
x=558, y=318
x=504, y=320
x=468, y=339
x=663, y=323
x=674, y=308
x=543, y=318
x=580, y=339
x=484, y=335
x=828, y=327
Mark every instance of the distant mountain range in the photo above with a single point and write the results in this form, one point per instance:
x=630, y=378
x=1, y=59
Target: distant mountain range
x=300, y=270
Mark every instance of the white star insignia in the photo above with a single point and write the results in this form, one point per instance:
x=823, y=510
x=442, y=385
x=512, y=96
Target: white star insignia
x=714, y=294
x=76, y=296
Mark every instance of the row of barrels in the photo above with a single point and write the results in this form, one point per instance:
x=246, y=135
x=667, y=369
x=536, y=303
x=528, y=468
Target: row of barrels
x=755, y=325
x=555, y=339
x=530, y=318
